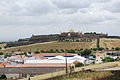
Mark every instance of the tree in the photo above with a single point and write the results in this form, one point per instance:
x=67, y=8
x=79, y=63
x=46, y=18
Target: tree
x=113, y=48
x=62, y=50
x=8, y=55
x=117, y=59
x=71, y=51
x=57, y=51
x=100, y=48
x=29, y=52
x=86, y=52
x=79, y=64
x=37, y=52
x=42, y=51
x=1, y=53
x=108, y=59
x=107, y=48
x=117, y=48
x=51, y=51
x=94, y=49
x=3, y=77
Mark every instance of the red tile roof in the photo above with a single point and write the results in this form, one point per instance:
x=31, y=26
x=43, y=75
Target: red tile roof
x=3, y=64
x=75, y=62
x=37, y=65
x=53, y=54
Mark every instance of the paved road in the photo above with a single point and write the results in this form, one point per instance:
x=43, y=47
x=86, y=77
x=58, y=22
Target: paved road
x=31, y=70
x=111, y=69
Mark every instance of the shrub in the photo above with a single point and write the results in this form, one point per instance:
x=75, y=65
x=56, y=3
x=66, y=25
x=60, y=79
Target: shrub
x=86, y=52
x=117, y=48
x=79, y=64
x=62, y=50
x=101, y=49
x=107, y=48
x=1, y=53
x=117, y=59
x=3, y=77
x=94, y=49
x=8, y=55
x=113, y=48
x=71, y=50
x=108, y=59
x=37, y=52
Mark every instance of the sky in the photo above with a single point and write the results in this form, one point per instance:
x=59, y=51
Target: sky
x=23, y=18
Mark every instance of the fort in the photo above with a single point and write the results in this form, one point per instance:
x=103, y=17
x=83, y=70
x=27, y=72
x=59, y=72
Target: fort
x=64, y=36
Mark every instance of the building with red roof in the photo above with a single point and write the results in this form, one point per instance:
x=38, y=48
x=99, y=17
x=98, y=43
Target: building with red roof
x=54, y=54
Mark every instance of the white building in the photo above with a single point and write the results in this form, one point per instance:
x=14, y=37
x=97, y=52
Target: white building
x=57, y=60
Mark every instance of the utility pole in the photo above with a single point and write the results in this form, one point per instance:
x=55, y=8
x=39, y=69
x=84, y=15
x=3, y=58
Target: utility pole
x=98, y=43
x=66, y=62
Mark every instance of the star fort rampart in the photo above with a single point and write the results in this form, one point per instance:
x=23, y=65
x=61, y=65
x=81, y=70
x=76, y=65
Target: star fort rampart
x=71, y=36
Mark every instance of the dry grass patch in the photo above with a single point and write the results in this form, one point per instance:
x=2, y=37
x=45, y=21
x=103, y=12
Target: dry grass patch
x=84, y=76
x=109, y=43
x=51, y=45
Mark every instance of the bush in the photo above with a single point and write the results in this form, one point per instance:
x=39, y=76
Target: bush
x=62, y=50
x=100, y=48
x=107, y=48
x=86, y=52
x=3, y=77
x=79, y=64
x=117, y=59
x=21, y=54
x=37, y=52
x=117, y=48
x=94, y=49
x=108, y=59
x=71, y=50
x=1, y=53
x=113, y=48
x=8, y=55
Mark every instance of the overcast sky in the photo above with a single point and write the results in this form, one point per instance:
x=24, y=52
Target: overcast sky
x=22, y=18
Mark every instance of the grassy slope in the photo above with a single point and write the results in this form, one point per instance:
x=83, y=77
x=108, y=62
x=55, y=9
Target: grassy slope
x=3, y=45
x=106, y=43
x=109, y=43
x=52, y=45
x=85, y=76
x=60, y=75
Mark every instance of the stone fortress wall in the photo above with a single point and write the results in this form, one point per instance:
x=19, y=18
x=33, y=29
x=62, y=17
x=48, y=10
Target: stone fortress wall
x=70, y=35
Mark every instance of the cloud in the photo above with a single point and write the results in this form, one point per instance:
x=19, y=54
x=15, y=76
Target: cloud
x=71, y=4
x=113, y=6
x=27, y=17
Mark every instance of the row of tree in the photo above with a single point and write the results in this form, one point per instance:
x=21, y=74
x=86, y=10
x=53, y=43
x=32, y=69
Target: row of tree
x=101, y=48
x=108, y=59
x=81, y=40
x=83, y=52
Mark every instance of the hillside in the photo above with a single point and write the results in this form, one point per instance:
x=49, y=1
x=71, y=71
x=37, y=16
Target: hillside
x=2, y=45
x=109, y=43
x=104, y=42
x=51, y=45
